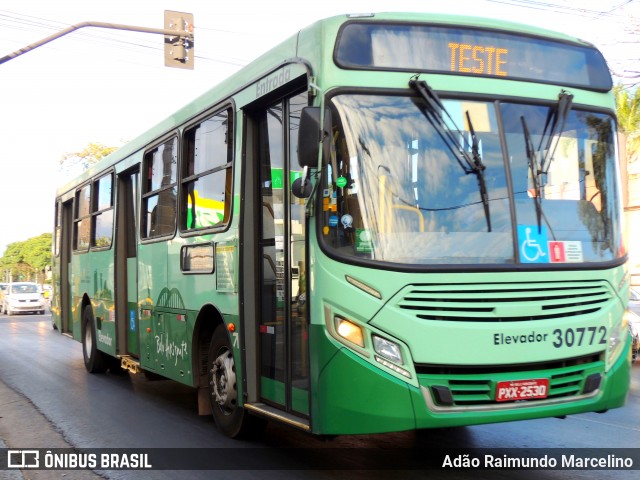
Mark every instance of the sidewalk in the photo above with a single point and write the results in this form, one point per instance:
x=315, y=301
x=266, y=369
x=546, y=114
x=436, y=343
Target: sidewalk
x=23, y=426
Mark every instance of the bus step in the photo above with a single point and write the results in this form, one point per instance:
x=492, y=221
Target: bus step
x=130, y=364
x=273, y=413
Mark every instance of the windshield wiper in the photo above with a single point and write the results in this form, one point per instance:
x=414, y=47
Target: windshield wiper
x=556, y=120
x=435, y=113
x=479, y=168
x=535, y=171
x=554, y=126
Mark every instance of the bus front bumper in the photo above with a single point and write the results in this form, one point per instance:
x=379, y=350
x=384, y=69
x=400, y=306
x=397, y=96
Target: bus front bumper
x=353, y=397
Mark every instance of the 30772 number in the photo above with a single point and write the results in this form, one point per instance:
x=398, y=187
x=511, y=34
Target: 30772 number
x=576, y=337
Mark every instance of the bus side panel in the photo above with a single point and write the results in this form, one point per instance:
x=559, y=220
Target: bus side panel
x=165, y=326
x=102, y=299
x=92, y=275
x=188, y=293
x=152, y=279
x=54, y=299
x=79, y=280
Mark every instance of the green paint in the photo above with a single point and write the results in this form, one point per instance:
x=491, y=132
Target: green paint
x=272, y=389
x=300, y=400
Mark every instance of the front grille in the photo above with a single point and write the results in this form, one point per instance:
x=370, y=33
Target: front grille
x=475, y=386
x=505, y=302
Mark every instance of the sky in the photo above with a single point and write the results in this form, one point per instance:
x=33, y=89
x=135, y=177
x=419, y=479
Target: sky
x=108, y=86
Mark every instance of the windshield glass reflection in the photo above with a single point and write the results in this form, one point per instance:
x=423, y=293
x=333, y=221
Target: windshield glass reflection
x=395, y=190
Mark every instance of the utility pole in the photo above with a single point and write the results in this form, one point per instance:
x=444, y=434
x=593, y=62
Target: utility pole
x=178, y=38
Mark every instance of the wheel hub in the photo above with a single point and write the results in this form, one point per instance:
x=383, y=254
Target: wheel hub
x=223, y=382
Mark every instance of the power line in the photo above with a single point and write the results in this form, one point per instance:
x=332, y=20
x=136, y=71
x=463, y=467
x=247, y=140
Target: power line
x=565, y=9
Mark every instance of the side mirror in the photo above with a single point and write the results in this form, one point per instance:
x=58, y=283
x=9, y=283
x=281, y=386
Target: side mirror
x=310, y=135
x=301, y=187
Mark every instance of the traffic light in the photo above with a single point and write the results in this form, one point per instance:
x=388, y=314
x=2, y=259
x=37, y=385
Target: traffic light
x=178, y=48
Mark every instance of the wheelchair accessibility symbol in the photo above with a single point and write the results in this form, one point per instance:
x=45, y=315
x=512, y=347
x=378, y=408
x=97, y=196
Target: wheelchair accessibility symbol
x=533, y=244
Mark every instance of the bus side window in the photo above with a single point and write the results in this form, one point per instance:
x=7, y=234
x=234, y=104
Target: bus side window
x=102, y=212
x=206, y=175
x=82, y=221
x=159, y=197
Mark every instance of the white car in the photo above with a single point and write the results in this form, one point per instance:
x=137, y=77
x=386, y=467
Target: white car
x=23, y=297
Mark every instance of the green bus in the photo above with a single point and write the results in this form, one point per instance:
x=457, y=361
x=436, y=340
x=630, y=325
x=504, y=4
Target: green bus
x=387, y=222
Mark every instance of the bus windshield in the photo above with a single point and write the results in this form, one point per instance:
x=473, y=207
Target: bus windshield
x=396, y=189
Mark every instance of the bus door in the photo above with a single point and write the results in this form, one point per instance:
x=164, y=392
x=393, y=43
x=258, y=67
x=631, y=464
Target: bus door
x=126, y=264
x=66, y=226
x=282, y=320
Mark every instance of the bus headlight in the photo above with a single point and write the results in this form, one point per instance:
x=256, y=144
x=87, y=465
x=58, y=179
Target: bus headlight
x=389, y=354
x=387, y=349
x=349, y=331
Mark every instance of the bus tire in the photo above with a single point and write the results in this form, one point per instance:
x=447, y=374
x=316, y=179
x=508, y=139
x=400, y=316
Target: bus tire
x=230, y=418
x=95, y=361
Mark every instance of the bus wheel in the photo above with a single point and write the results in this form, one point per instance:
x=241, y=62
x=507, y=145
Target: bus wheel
x=95, y=361
x=230, y=418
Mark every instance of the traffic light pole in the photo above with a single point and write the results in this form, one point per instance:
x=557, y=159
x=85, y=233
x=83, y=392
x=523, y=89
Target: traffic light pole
x=184, y=35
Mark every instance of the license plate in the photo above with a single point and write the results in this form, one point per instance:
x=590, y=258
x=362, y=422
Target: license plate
x=522, y=390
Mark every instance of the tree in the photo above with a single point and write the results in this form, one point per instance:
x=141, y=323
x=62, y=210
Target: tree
x=628, y=111
x=93, y=153
x=27, y=260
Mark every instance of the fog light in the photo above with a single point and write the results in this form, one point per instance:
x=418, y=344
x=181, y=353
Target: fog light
x=349, y=331
x=387, y=349
x=592, y=383
x=442, y=395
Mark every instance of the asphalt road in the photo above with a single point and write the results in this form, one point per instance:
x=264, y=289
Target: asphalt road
x=48, y=400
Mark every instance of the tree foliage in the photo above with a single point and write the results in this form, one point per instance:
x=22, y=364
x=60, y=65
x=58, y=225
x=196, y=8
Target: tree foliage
x=27, y=260
x=628, y=111
x=93, y=153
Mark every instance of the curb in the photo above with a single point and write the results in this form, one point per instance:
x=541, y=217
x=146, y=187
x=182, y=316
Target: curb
x=22, y=425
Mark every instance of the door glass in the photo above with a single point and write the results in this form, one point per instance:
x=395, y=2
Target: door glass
x=133, y=341
x=272, y=326
x=65, y=268
x=283, y=323
x=297, y=251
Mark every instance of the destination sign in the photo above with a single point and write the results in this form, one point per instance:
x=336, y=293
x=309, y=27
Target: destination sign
x=479, y=59
x=470, y=51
